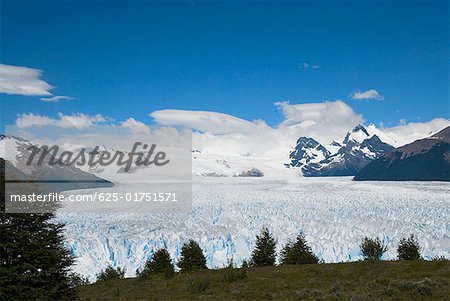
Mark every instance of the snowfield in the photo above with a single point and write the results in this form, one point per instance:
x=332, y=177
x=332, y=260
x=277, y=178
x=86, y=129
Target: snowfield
x=334, y=213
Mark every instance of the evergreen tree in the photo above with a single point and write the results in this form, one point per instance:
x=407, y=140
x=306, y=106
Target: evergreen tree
x=160, y=263
x=191, y=257
x=372, y=249
x=298, y=252
x=264, y=253
x=409, y=249
x=34, y=265
x=246, y=264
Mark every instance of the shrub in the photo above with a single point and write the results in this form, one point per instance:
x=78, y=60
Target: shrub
x=298, y=252
x=408, y=249
x=231, y=273
x=372, y=249
x=192, y=257
x=110, y=273
x=198, y=285
x=234, y=274
x=160, y=263
x=264, y=253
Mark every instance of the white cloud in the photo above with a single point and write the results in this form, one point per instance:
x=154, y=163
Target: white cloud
x=29, y=120
x=324, y=121
x=307, y=66
x=22, y=81
x=77, y=120
x=205, y=121
x=369, y=94
x=135, y=126
x=409, y=132
x=56, y=98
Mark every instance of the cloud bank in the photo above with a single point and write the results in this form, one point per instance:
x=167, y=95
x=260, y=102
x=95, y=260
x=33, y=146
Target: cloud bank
x=412, y=131
x=227, y=135
x=76, y=121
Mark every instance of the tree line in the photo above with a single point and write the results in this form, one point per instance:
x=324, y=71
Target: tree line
x=264, y=254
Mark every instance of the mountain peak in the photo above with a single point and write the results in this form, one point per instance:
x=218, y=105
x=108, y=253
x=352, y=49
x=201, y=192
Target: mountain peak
x=360, y=127
x=358, y=134
x=307, y=142
x=307, y=150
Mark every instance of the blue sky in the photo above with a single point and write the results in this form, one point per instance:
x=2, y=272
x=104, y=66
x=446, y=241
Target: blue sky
x=123, y=59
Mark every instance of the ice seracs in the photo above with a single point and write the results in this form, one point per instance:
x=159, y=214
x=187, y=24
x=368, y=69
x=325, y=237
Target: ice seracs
x=333, y=213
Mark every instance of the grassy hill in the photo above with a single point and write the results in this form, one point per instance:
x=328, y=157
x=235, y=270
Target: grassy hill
x=384, y=280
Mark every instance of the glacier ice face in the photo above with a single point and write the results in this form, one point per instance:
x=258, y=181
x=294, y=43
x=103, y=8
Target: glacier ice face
x=334, y=213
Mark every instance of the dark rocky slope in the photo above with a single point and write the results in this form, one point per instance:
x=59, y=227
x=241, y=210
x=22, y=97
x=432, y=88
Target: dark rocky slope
x=423, y=160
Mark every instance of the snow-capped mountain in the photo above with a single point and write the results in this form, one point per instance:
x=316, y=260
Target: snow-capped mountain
x=359, y=147
x=308, y=151
x=237, y=155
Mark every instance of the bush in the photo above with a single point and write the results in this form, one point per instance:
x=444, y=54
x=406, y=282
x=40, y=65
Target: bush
x=298, y=252
x=231, y=273
x=110, y=273
x=192, y=257
x=198, y=285
x=372, y=249
x=264, y=253
x=160, y=263
x=408, y=249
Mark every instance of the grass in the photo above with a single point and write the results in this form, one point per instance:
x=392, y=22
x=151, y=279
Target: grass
x=383, y=280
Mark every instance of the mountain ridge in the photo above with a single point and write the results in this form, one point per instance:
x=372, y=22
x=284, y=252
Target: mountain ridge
x=425, y=159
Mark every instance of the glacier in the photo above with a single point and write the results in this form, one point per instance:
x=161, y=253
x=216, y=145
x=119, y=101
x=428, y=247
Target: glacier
x=227, y=213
